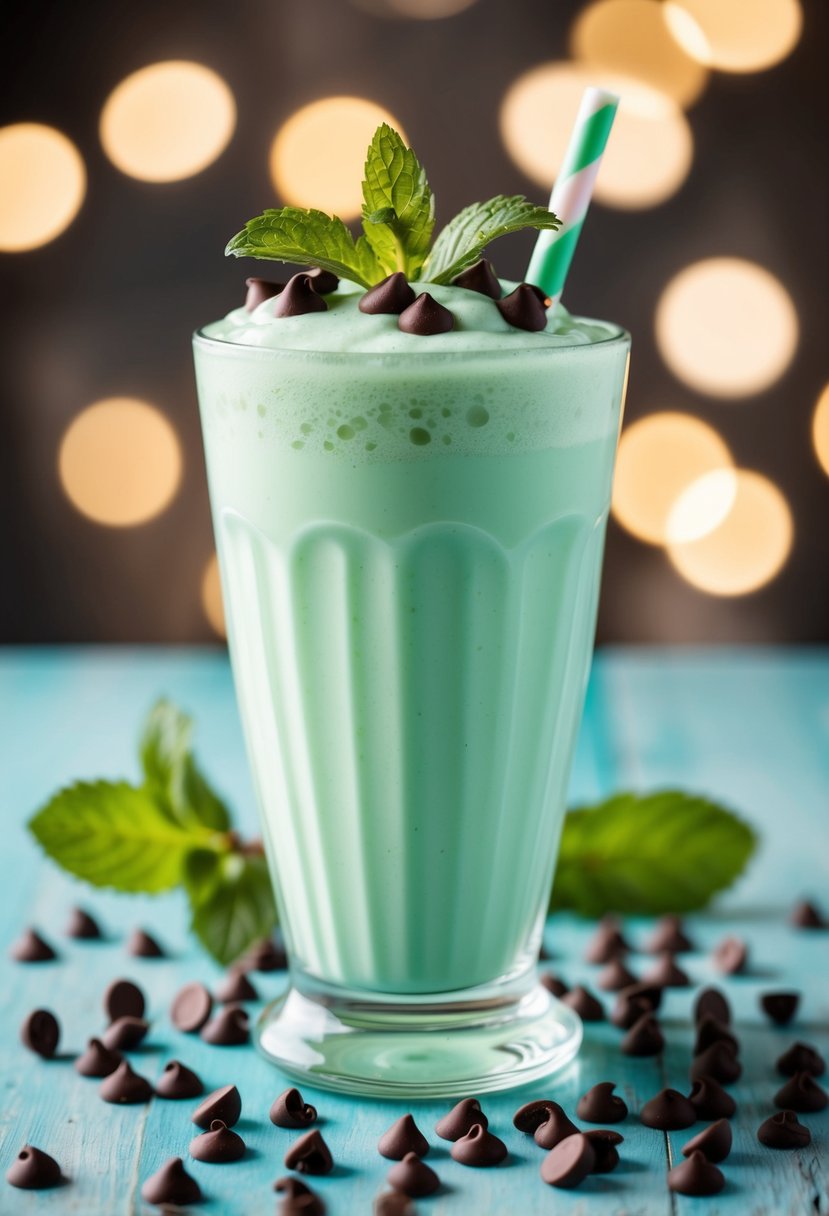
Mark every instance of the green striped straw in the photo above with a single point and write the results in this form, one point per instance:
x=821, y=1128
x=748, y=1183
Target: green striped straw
x=570, y=198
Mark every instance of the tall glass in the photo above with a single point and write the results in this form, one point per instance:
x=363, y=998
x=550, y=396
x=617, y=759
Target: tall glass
x=410, y=549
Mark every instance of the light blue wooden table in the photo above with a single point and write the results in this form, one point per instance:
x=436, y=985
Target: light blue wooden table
x=750, y=728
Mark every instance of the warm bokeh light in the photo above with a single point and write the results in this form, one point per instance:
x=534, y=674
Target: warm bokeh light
x=120, y=462
x=44, y=183
x=702, y=506
x=660, y=456
x=820, y=429
x=211, y=597
x=726, y=327
x=747, y=549
x=737, y=35
x=167, y=121
x=650, y=149
x=318, y=154
x=428, y=10
x=633, y=37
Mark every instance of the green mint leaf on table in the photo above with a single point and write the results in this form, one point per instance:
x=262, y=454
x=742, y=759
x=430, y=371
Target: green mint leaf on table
x=231, y=900
x=649, y=855
x=463, y=240
x=171, y=772
x=294, y=234
x=398, y=206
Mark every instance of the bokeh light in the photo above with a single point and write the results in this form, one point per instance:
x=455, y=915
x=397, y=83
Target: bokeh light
x=420, y=10
x=660, y=456
x=167, y=121
x=633, y=37
x=44, y=183
x=747, y=549
x=211, y=597
x=318, y=154
x=737, y=35
x=120, y=462
x=702, y=506
x=650, y=149
x=820, y=429
x=726, y=327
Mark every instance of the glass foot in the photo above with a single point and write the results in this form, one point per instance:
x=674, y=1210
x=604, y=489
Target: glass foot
x=455, y=1044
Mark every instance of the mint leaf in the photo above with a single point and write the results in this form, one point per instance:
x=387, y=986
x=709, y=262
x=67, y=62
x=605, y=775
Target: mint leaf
x=464, y=238
x=649, y=855
x=295, y=234
x=114, y=835
x=398, y=206
x=171, y=772
x=232, y=902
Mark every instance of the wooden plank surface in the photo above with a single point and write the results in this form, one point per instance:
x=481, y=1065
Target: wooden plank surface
x=751, y=728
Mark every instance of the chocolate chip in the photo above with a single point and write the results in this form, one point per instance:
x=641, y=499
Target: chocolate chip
x=531, y=1115
x=236, y=987
x=97, y=1060
x=291, y=1110
x=223, y=1103
x=298, y=1198
x=480, y=277
x=644, y=1037
x=171, y=1185
x=123, y=999
x=125, y=1033
x=669, y=1111
x=413, y=1177
x=584, y=1004
x=801, y=1092
x=83, y=926
x=217, y=1145
x=479, y=1148
x=394, y=1203
x=569, y=1162
x=177, y=1081
x=260, y=290
x=710, y=1030
x=601, y=1105
x=779, y=1007
x=425, y=317
x=554, y=1128
x=553, y=984
x=805, y=915
x=33, y=1170
x=322, y=281
x=614, y=977
x=718, y=1061
x=123, y=1087
x=229, y=1028
x=713, y=1142
x=666, y=974
x=652, y=993
x=800, y=1057
x=404, y=1136
x=784, y=1130
x=309, y=1155
x=41, y=1033
x=463, y=1116
x=191, y=1007
x=522, y=309
x=730, y=956
x=604, y=1144
x=712, y=1003
x=30, y=947
x=142, y=945
x=696, y=1176
x=607, y=942
x=298, y=298
x=668, y=937
x=628, y=1010
x=391, y=295
x=265, y=955
x=710, y=1100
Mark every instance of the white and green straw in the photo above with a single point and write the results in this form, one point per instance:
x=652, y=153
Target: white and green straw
x=571, y=194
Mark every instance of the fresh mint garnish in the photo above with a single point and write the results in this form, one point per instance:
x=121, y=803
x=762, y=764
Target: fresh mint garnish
x=232, y=901
x=171, y=773
x=294, y=234
x=398, y=206
x=464, y=238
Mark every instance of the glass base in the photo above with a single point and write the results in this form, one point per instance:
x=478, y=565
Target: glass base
x=454, y=1044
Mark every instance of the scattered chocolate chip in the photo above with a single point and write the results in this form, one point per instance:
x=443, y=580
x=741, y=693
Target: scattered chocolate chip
x=123, y=1087
x=177, y=1081
x=291, y=1110
x=582, y=1002
x=601, y=1105
x=604, y=1144
x=669, y=1111
x=97, y=1060
x=607, y=942
x=784, y=1130
x=553, y=984
x=710, y=1030
x=266, y=955
x=718, y=1061
x=310, y=1155
x=404, y=1136
x=413, y=1177
x=124, y=1034
x=667, y=974
x=394, y=1203
x=479, y=1148
x=800, y=1057
x=298, y=298
x=696, y=1176
x=569, y=1162
x=229, y=1028
x=614, y=976
x=710, y=1100
x=644, y=1037
x=298, y=1198
x=81, y=925
x=802, y=1093
x=805, y=915
x=463, y=1116
x=217, y=1145
x=730, y=956
x=554, y=1128
x=713, y=1142
x=712, y=1003
x=123, y=999
x=141, y=945
x=30, y=947
x=652, y=993
x=627, y=1010
x=41, y=1033
x=531, y=1115
x=223, y=1103
x=33, y=1170
x=236, y=987
x=668, y=937
x=391, y=295
x=191, y=1007
x=322, y=281
x=522, y=309
x=480, y=277
x=779, y=1007
x=260, y=290
x=425, y=317
x=171, y=1185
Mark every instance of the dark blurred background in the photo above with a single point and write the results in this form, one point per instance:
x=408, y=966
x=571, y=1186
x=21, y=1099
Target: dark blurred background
x=111, y=253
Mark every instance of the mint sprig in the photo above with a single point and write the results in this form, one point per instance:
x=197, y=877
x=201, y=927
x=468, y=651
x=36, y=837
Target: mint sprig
x=294, y=234
x=398, y=205
x=465, y=238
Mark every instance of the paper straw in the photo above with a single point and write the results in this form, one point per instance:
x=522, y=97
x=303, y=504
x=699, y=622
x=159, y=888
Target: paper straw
x=570, y=198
